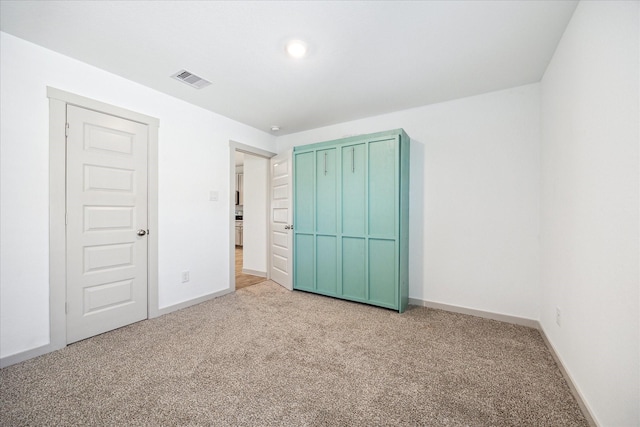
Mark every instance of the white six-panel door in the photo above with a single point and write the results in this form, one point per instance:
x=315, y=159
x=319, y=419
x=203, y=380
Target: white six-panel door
x=280, y=219
x=106, y=222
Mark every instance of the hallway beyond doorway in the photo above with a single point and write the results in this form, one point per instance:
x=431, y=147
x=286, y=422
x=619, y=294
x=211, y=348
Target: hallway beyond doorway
x=244, y=280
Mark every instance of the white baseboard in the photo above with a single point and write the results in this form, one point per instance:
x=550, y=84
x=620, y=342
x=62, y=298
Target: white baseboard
x=254, y=272
x=531, y=323
x=26, y=355
x=189, y=303
x=575, y=391
x=523, y=321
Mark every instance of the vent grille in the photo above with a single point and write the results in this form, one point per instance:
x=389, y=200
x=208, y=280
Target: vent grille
x=191, y=79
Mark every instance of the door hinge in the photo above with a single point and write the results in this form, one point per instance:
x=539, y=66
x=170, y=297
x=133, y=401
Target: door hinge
x=66, y=129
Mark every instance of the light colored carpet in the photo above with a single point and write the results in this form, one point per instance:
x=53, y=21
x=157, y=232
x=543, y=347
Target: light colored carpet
x=264, y=356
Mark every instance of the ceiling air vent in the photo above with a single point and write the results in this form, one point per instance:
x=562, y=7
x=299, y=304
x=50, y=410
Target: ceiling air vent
x=191, y=79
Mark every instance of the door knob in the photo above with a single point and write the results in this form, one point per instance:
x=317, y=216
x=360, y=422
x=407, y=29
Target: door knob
x=142, y=232
x=288, y=227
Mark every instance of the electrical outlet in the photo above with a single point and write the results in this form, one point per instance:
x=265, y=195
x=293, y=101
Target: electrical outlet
x=185, y=276
x=557, y=316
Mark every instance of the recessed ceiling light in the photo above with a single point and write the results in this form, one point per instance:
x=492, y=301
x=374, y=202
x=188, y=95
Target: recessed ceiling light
x=275, y=128
x=296, y=49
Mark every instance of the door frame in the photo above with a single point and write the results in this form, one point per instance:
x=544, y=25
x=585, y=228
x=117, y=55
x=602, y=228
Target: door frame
x=58, y=101
x=247, y=149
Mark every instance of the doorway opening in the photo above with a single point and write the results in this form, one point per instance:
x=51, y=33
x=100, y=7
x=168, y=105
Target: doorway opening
x=250, y=197
x=244, y=280
x=248, y=215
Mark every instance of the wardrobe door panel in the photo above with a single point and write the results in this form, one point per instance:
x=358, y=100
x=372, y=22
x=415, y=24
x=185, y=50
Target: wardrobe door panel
x=326, y=264
x=304, y=255
x=383, y=203
x=354, y=279
x=353, y=190
x=326, y=191
x=304, y=211
x=382, y=272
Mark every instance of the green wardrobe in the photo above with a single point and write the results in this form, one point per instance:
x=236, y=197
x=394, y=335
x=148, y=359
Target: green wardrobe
x=351, y=218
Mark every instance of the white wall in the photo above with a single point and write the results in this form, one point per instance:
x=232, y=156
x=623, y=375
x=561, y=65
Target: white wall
x=474, y=198
x=590, y=211
x=256, y=178
x=193, y=160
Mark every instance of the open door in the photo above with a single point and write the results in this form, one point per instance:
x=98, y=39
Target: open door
x=280, y=218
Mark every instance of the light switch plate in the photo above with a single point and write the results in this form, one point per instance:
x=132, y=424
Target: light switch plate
x=213, y=196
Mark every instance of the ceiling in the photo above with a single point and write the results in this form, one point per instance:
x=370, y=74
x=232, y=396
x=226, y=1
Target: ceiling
x=365, y=57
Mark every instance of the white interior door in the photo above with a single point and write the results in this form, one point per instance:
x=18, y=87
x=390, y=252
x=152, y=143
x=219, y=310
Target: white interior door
x=281, y=215
x=106, y=222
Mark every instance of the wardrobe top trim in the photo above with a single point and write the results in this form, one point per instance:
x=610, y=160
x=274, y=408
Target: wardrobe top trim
x=352, y=139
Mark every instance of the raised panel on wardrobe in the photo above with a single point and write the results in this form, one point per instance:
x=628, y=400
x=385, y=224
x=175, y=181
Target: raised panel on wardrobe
x=383, y=276
x=354, y=276
x=304, y=212
x=326, y=192
x=383, y=196
x=354, y=190
x=304, y=255
x=326, y=264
